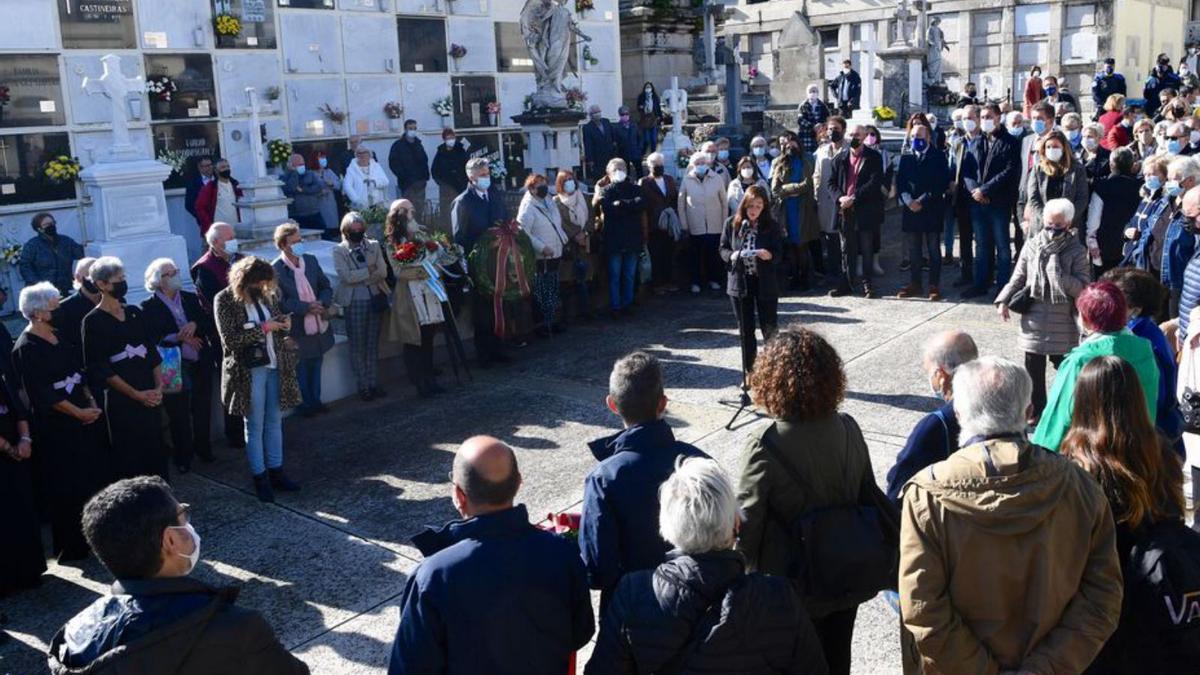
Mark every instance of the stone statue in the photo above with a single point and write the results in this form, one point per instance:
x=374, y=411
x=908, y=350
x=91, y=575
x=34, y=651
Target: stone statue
x=117, y=88
x=255, y=135
x=548, y=27
x=936, y=44
x=903, y=28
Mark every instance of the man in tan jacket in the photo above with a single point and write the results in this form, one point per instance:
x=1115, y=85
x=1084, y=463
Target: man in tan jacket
x=1008, y=558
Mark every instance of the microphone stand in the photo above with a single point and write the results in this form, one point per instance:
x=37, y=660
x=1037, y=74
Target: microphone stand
x=743, y=401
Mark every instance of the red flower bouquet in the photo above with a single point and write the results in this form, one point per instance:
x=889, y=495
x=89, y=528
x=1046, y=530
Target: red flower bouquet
x=407, y=253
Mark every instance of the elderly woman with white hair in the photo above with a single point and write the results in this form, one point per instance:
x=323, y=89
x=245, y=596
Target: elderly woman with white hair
x=365, y=183
x=1052, y=270
x=812, y=113
x=700, y=611
x=176, y=321
x=121, y=357
x=67, y=423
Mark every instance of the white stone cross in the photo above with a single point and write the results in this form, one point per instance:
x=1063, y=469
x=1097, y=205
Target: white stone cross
x=256, y=146
x=677, y=100
x=869, y=98
x=117, y=88
x=459, y=85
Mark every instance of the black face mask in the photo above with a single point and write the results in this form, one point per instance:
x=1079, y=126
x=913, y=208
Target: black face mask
x=119, y=289
x=855, y=142
x=50, y=230
x=89, y=286
x=355, y=237
x=541, y=191
x=836, y=136
x=225, y=174
x=657, y=170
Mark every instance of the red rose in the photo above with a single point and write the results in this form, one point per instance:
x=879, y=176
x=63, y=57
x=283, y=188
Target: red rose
x=431, y=245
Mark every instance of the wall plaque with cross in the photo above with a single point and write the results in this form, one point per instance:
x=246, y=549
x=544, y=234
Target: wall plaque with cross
x=471, y=95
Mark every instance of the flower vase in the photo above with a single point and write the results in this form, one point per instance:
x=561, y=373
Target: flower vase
x=161, y=107
x=493, y=119
x=395, y=124
x=456, y=66
x=445, y=121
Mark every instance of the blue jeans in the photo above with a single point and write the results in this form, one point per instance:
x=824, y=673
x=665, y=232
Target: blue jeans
x=921, y=244
x=649, y=140
x=948, y=231
x=990, y=225
x=264, y=430
x=581, y=267
x=308, y=372
x=621, y=269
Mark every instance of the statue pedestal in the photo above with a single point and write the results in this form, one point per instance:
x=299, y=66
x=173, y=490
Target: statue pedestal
x=903, y=80
x=553, y=140
x=128, y=218
x=262, y=208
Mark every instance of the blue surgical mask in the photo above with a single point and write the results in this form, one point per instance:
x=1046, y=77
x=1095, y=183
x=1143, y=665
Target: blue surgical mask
x=1039, y=126
x=1174, y=189
x=1174, y=146
x=299, y=249
x=920, y=145
x=483, y=183
x=323, y=162
x=569, y=186
x=758, y=151
x=1153, y=183
x=1050, y=91
x=301, y=169
x=1075, y=136
x=701, y=169
x=722, y=155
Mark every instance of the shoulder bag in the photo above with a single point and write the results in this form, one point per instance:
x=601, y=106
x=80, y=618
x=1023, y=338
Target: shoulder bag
x=1021, y=301
x=845, y=553
x=254, y=355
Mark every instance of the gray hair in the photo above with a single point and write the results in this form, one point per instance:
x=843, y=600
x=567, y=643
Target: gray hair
x=1072, y=117
x=106, y=267
x=475, y=164
x=636, y=387
x=655, y=158
x=706, y=144
x=950, y=349
x=758, y=140
x=1010, y=118
x=82, y=266
x=1186, y=167
x=214, y=231
x=37, y=298
x=698, y=509
x=154, y=272
x=991, y=396
x=1058, y=208
x=1095, y=128
x=616, y=163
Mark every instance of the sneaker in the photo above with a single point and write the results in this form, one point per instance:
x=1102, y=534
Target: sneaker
x=869, y=292
x=908, y=291
x=695, y=288
x=905, y=265
x=714, y=285
x=934, y=294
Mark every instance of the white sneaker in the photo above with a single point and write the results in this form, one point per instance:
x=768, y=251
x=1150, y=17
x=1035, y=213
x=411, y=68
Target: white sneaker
x=714, y=285
x=695, y=288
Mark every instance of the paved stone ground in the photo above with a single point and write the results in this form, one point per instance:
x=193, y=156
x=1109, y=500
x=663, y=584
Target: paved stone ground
x=327, y=566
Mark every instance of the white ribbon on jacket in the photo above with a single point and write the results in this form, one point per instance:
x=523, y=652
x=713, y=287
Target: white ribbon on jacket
x=69, y=383
x=129, y=353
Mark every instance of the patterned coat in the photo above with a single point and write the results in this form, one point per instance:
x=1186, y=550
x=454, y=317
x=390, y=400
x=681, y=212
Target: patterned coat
x=237, y=333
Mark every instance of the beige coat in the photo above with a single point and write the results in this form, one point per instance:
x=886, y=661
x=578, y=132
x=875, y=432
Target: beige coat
x=350, y=276
x=1008, y=561
x=1049, y=328
x=702, y=207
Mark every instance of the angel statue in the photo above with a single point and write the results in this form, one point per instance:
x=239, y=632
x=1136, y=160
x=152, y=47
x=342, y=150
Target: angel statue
x=547, y=27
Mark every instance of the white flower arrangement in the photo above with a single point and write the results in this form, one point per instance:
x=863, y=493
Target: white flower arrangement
x=161, y=87
x=499, y=171
x=444, y=107
x=10, y=252
x=174, y=159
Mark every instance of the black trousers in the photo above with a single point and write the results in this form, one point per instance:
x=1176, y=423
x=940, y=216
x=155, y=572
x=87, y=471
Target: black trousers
x=418, y=359
x=832, y=245
x=835, y=631
x=1196, y=497
x=662, y=257
x=1035, y=365
x=857, y=241
x=487, y=345
x=966, y=237
x=745, y=308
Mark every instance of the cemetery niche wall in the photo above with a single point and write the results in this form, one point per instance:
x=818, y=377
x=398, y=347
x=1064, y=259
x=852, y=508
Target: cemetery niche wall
x=323, y=70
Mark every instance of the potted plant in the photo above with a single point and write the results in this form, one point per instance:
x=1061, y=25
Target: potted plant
x=584, y=6
x=493, y=113
x=394, y=111
x=576, y=98
x=444, y=107
x=527, y=104
x=457, y=51
x=227, y=25
x=279, y=152
x=61, y=170
x=161, y=89
x=589, y=60
x=884, y=116
x=337, y=117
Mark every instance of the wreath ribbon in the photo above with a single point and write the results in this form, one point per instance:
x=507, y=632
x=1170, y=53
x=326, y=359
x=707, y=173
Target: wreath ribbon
x=506, y=247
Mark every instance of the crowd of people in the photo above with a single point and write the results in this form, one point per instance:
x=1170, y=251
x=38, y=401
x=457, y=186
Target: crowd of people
x=1064, y=499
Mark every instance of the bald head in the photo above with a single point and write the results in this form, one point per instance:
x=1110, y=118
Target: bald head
x=1191, y=203
x=485, y=475
x=944, y=353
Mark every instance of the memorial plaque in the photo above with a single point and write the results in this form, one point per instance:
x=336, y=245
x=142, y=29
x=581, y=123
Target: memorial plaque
x=30, y=91
x=422, y=45
x=183, y=145
x=471, y=96
x=23, y=161
x=257, y=19
x=97, y=24
x=195, y=92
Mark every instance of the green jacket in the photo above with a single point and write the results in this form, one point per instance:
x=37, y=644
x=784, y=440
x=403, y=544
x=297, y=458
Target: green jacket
x=1057, y=417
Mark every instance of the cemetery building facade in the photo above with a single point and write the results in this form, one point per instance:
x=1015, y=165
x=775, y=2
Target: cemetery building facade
x=324, y=70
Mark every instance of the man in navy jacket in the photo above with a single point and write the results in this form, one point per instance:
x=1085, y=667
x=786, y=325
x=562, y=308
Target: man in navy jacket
x=991, y=174
x=619, y=532
x=494, y=594
x=936, y=435
x=472, y=213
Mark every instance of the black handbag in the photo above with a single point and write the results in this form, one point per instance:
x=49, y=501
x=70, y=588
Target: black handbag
x=847, y=553
x=380, y=302
x=1020, y=301
x=254, y=355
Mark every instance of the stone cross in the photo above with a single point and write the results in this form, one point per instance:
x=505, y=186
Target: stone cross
x=459, y=85
x=256, y=145
x=677, y=99
x=117, y=88
x=870, y=98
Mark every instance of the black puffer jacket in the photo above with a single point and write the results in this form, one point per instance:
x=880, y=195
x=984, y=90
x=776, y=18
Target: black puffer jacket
x=761, y=627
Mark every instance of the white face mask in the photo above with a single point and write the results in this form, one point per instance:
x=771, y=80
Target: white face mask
x=1090, y=144
x=988, y=125
x=618, y=176
x=231, y=246
x=969, y=125
x=194, y=556
x=449, y=142
x=747, y=173
x=172, y=283
x=812, y=96
x=1054, y=154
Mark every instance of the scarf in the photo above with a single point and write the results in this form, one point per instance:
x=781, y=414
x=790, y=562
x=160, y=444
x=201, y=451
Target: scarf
x=1048, y=271
x=577, y=206
x=176, y=306
x=313, y=325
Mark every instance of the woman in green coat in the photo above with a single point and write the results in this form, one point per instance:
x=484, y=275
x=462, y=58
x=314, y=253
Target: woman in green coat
x=1102, y=317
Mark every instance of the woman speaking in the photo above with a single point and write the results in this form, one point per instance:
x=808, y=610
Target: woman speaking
x=751, y=242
